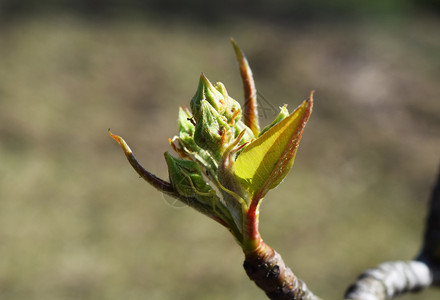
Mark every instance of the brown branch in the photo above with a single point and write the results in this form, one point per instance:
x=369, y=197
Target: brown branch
x=267, y=269
x=430, y=253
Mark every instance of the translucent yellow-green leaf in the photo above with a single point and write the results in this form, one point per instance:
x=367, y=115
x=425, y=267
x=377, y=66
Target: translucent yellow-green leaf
x=266, y=161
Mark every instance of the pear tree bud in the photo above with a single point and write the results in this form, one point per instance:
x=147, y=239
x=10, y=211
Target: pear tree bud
x=232, y=110
x=206, y=92
x=212, y=131
x=185, y=145
x=186, y=177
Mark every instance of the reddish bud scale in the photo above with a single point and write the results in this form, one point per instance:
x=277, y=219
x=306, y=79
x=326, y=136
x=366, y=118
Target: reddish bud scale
x=250, y=92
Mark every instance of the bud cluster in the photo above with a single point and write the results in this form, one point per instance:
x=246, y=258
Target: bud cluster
x=226, y=166
x=209, y=138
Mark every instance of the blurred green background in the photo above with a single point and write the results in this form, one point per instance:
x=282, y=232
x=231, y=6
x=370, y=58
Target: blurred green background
x=76, y=222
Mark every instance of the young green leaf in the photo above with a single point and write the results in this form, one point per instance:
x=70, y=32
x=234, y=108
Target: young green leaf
x=187, y=179
x=266, y=161
x=284, y=113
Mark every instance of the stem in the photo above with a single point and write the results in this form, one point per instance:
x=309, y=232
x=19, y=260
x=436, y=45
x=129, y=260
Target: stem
x=251, y=236
x=160, y=184
x=265, y=267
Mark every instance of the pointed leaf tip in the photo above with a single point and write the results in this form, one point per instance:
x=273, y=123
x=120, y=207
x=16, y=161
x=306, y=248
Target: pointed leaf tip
x=250, y=92
x=160, y=184
x=121, y=142
x=273, y=153
x=237, y=49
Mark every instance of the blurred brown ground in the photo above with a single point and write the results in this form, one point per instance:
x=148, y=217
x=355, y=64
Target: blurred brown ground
x=77, y=223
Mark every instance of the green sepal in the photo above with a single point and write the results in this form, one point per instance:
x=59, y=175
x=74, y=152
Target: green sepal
x=212, y=131
x=232, y=109
x=248, y=136
x=188, y=180
x=206, y=92
x=185, y=123
x=185, y=145
x=186, y=177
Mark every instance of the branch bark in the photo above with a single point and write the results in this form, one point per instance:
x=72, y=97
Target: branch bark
x=430, y=253
x=388, y=280
x=391, y=279
x=267, y=269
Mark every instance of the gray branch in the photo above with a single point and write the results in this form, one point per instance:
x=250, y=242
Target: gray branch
x=390, y=279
